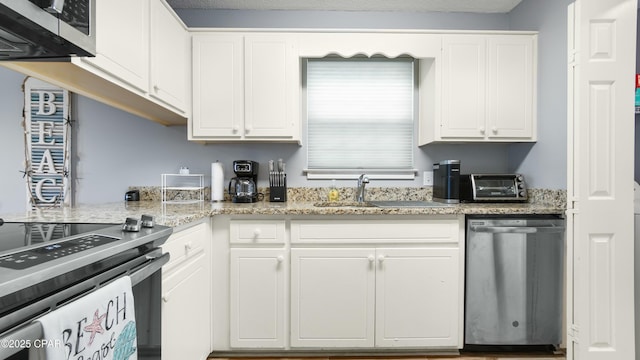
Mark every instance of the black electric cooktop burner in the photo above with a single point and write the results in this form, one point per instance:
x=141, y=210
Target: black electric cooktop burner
x=16, y=235
x=53, y=250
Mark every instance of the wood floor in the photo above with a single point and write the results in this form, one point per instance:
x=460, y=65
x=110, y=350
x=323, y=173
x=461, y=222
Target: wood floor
x=464, y=356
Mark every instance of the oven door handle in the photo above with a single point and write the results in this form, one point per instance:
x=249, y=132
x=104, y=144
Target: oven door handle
x=144, y=271
x=33, y=331
x=516, y=229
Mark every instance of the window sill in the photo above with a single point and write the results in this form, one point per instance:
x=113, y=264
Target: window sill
x=353, y=174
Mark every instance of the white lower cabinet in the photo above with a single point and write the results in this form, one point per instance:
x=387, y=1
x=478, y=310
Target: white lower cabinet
x=351, y=283
x=417, y=297
x=186, y=295
x=332, y=297
x=382, y=297
x=257, y=298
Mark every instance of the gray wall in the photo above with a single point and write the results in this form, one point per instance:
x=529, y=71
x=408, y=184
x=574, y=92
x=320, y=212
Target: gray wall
x=545, y=162
x=341, y=19
x=13, y=193
x=113, y=149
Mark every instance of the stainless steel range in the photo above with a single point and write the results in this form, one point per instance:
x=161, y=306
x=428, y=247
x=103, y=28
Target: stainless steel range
x=44, y=266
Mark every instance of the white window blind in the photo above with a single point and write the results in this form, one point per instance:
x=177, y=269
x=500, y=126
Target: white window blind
x=360, y=116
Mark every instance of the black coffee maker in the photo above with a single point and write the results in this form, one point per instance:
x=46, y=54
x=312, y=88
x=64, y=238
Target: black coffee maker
x=446, y=181
x=244, y=187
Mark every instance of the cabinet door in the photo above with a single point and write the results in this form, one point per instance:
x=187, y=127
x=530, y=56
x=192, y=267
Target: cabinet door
x=418, y=298
x=332, y=297
x=463, y=87
x=122, y=39
x=218, y=89
x=510, y=112
x=186, y=311
x=170, y=57
x=272, y=87
x=257, y=298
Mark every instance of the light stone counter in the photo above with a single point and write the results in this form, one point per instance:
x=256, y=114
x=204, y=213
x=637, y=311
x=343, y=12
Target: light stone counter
x=545, y=202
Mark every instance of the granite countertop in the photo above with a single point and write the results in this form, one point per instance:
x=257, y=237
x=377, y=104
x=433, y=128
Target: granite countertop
x=171, y=214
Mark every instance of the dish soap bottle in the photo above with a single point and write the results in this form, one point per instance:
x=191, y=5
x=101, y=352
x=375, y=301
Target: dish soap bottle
x=333, y=192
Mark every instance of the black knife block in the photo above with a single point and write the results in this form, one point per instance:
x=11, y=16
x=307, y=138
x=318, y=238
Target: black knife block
x=278, y=193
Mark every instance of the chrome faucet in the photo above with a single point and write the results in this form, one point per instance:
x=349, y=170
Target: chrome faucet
x=362, y=181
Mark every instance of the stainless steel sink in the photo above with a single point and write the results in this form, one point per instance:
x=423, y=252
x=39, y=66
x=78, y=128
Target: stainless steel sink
x=408, y=203
x=342, y=204
x=383, y=204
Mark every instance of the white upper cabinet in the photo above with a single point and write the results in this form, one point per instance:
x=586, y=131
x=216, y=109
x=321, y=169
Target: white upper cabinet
x=464, y=86
x=218, y=90
x=142, y=64
x=245, y=87
x=127, y=60
x=170, y=58
x=511, y=84
x=488, y=87
x=272, y=87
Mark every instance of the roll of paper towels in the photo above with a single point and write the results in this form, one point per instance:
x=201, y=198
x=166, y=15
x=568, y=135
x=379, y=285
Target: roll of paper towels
x=217, y=182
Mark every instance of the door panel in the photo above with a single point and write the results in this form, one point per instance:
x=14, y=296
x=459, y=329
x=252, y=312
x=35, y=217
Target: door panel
x=332, y=297
x=257, y=298
x=464, y=86
x=417, y=297
x=600, y=207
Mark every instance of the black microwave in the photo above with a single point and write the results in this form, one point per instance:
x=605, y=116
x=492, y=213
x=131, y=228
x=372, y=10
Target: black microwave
x=47, y=29
x=493, y=188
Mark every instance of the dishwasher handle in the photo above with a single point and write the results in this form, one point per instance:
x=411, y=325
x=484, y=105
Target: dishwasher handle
x=516, y=229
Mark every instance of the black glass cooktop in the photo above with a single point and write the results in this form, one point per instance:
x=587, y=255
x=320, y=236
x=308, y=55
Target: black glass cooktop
x=15, y=235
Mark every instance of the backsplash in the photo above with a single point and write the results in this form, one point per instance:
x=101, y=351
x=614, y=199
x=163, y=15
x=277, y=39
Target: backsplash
x=557, y=198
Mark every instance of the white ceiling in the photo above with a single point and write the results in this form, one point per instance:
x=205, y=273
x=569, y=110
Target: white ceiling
x=474, y=6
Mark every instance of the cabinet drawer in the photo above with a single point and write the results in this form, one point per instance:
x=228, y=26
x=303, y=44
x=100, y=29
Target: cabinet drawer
x=257, y=232
x=184, y=245
x=379, y=231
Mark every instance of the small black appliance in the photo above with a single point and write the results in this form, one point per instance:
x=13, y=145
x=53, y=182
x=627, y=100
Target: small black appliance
x=132, y=195
x=493, y=188
x=446, y=181
x=244, y=187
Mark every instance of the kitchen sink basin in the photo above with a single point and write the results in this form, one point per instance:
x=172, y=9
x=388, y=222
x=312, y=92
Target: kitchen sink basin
x=383, y=204
x=342, y=204
x=407, y=203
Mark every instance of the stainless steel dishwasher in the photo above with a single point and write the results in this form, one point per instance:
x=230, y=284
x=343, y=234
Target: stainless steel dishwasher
x=514, y=281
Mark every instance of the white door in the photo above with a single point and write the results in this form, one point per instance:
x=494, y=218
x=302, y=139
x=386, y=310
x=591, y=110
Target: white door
x=218, y=88
x=332, y=297
x=510, y=83
x=600, y=179
x=170, y=58
x=257, y=298
x=464, y=86
x=271, y=86
x=186, y=311
x=122, y=41
x=417, y=297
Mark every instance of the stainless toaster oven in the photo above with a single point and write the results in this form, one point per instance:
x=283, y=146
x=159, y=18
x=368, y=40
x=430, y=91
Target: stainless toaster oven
x=493, y=188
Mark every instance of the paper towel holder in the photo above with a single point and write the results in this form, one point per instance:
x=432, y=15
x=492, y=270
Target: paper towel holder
x=217, y=182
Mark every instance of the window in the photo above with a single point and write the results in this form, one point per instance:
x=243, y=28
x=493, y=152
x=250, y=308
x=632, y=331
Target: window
x=360, y=117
